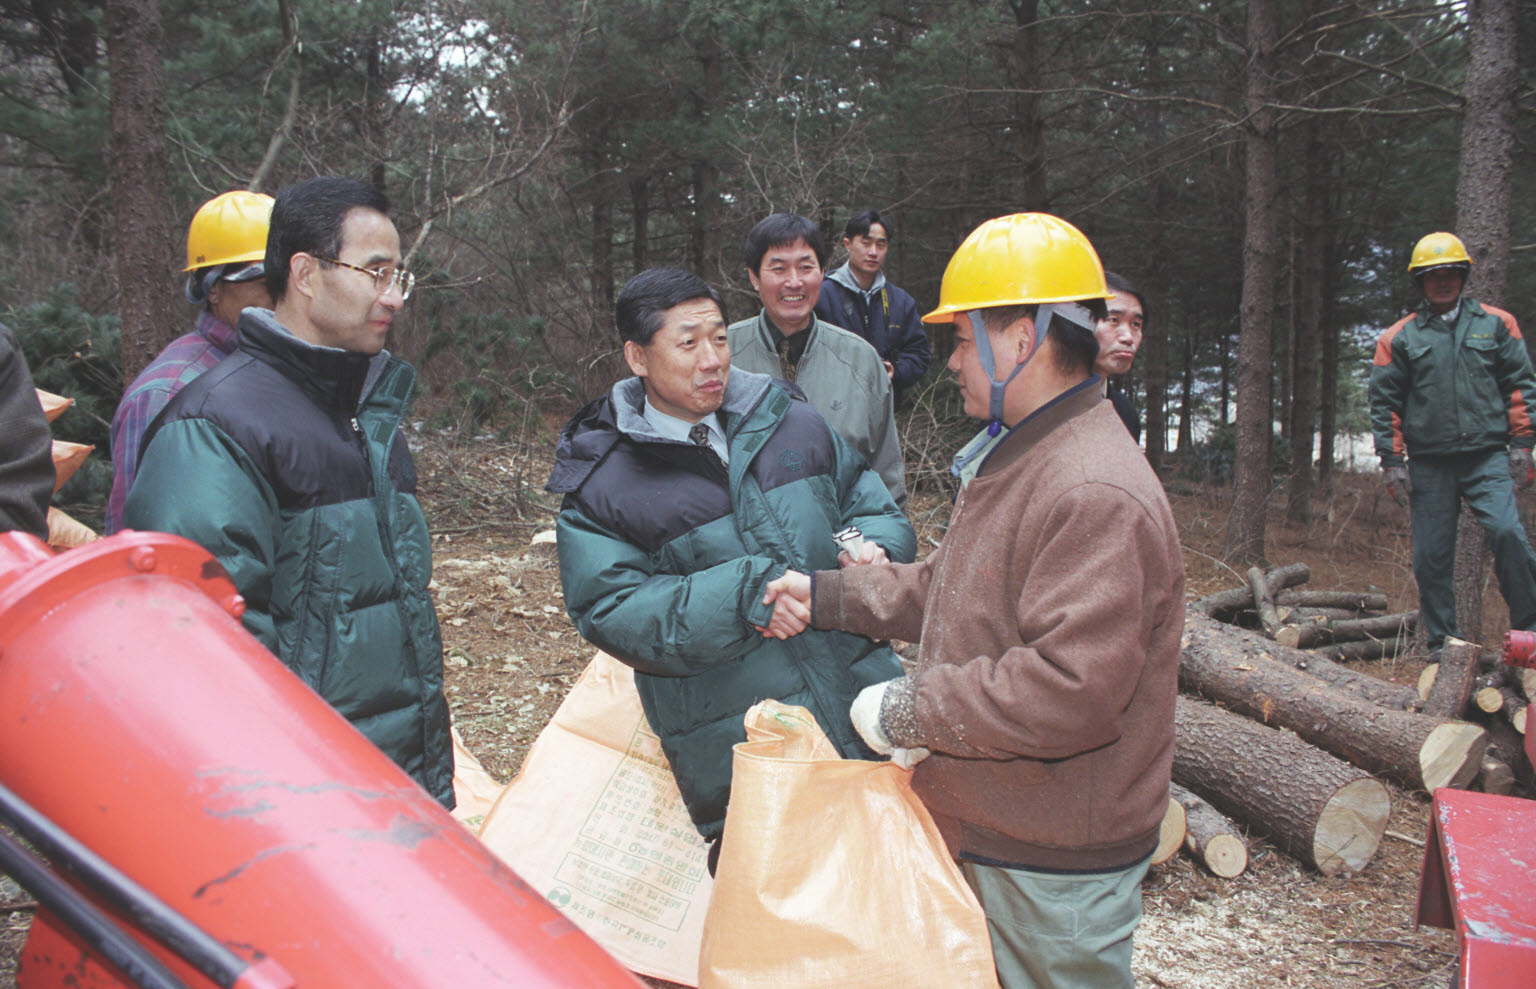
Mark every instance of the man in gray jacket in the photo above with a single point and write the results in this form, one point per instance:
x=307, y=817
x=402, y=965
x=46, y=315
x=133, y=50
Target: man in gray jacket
x=840, y=373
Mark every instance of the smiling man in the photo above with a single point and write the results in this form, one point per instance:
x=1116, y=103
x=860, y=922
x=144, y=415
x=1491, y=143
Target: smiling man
x=840, y=373
x=287, y=463
x=1451, y=391
x=687, y=489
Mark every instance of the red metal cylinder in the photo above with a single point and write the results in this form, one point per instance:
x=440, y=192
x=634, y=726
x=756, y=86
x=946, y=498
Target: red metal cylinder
x=1520, y=648
x=138, y=714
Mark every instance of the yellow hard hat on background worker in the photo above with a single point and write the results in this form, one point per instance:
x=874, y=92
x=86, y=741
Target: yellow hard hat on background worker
x=227, y=241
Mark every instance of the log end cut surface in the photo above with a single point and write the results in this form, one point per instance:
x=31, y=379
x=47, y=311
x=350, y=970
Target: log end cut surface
x=1350, y=827
x=1226, y=856
x=1451, y=755
x=1171, y=837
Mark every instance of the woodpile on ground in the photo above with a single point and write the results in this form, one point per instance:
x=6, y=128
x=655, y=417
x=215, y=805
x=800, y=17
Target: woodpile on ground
x=1276, y=736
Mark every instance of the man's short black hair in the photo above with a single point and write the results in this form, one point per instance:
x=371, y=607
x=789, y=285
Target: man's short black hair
x=778, y=230
x=1076, y=346
x=1119, y=283
x=307, y=219
x=643, y=303
x=860, y=222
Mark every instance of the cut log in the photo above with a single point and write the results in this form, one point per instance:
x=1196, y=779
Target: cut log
x=1453, y=680
x=1514, y=708
x=1263, y=602
x=1305, y=636
x=1170, y=838
x=1210, y=837
x=1489, y=700
x=1495, y=777
x=1223, y=603
x=1207, y=633
x=1427, y=679
x=1508, y=746
x=1423, y=752
x=1300, y=615
x=1331, y=599
x=1343, y=652
x=1317, y=809
x=1523, y=679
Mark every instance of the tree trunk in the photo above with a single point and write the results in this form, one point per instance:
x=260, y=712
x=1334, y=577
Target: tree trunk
x=1250, y=489
x=1315, y=808
x=1483, y=193
x=1240, y=648
x=144, y=242
x=1021, y=70
x=1210, y=836
x=1309, y=307
x=1423, y=752
x=1264, y=602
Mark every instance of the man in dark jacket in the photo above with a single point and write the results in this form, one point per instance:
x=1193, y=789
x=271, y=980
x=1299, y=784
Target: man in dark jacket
x=688, y=488
x=1451, y=391
x=1119, y=337
x=857, y=297
x=26, y=446
x=286, y=462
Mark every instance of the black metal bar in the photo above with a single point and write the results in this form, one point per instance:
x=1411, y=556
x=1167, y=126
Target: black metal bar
x=106, y=938
x=141, y=907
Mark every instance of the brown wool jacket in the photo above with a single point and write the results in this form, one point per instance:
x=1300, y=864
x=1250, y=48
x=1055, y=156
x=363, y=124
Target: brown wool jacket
x=1049, y=623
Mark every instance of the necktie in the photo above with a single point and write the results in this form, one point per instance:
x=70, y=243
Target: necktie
x=700, y=436
x=787, y=366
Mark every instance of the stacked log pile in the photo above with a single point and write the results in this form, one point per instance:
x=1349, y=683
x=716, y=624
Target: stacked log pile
x=1275, y=735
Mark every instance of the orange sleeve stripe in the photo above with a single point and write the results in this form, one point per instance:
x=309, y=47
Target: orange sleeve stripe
x=1383, y=355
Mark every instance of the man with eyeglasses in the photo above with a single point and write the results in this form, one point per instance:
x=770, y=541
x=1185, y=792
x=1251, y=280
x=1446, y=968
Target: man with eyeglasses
x=287, y=463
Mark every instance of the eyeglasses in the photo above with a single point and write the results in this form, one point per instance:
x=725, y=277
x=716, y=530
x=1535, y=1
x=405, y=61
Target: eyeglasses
x=385, y=277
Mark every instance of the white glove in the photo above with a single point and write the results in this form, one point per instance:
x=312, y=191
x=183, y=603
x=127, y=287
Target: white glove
x=865, y=715
x=907, y=758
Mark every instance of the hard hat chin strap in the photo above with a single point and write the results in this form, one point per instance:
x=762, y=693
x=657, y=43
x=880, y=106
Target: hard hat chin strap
x=1069, y=311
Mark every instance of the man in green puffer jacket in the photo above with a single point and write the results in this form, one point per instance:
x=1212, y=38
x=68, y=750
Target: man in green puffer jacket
x=688, y=488
x=1451, y=387
x=286, y=462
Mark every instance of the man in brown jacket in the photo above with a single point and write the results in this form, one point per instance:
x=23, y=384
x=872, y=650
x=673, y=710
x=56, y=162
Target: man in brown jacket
x=1039, y=713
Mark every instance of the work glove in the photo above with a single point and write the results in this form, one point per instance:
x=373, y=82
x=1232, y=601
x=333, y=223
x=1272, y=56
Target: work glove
x=865, y=715
x=1398, y=485
x=1521, y=470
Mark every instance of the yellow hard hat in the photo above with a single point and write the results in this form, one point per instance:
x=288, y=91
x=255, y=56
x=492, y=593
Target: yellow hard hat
x=228, y=229
x=1436, y=250
x=1023, y=259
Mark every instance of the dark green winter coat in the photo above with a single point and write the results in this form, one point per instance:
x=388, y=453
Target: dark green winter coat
x=286, y=462
x=1442, y=389
x=665, y=555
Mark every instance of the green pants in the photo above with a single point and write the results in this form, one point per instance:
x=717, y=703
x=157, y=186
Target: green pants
x=1440, y=484
x=1060, y=930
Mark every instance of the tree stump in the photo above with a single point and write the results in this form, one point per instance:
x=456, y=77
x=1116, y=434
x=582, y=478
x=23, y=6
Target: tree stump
x=1423, y=752
x=1210, y=837
x=1318, y=809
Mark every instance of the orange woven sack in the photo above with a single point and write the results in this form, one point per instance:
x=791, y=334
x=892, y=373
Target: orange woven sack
x=832, y=873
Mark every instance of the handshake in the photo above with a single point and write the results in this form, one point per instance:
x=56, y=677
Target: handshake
x=790, y=595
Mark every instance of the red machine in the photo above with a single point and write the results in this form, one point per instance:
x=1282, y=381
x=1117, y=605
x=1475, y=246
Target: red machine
x=218, y=822
x=1477, y=878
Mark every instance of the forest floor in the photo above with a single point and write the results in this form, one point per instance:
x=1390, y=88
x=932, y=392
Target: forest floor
x=512, y=654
